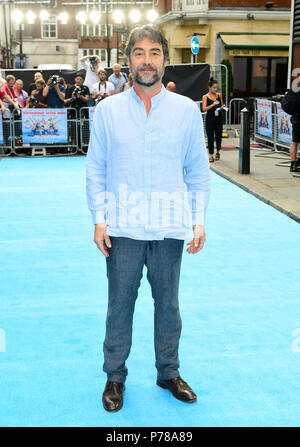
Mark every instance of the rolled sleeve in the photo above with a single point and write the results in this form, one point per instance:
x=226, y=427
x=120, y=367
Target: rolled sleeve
x=96, y=168
x=197, y=171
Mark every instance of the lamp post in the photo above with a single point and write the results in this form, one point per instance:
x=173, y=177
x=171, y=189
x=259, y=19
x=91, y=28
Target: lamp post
x=118, y=17
x=18, y=19
x=107, y=2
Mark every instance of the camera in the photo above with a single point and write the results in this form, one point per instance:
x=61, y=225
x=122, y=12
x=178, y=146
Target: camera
x=100, y=98
x=277, y=98
x=34, y=100
x=55, y=79
x=93, y=60
x=78, y=91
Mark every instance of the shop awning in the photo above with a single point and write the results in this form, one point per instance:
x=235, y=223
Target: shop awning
x=259, y=41
x=182, y=36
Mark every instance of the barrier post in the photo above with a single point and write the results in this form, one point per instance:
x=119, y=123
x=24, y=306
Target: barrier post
x=244, y=152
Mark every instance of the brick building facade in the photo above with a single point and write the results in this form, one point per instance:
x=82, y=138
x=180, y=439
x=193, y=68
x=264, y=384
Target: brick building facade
x=248, y=3
x=50, y=41
x=251, y=36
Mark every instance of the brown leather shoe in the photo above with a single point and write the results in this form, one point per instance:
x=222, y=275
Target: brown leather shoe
x=112, y=397
x=179, y=388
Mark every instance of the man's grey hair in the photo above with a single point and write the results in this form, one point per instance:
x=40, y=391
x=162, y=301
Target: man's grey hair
x=146, y=31
x=10, y=78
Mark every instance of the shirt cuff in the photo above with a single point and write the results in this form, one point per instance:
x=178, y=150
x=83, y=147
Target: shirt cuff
x=198, y=219
x=98, y=217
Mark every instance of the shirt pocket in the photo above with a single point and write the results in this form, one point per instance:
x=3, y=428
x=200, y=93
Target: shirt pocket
x=170, y=144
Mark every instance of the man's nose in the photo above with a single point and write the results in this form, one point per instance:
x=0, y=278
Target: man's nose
x=147, y=59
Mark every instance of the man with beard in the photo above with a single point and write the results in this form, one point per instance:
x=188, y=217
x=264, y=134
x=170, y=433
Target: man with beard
x=146, y=145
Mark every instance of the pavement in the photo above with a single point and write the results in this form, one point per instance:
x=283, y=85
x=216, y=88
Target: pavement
x=270, y=182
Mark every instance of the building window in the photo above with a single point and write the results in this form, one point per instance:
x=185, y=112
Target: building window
x=49, y=28
x=240, y=74
x=102, y=30
x=90, y=30
x=101, y=52
x=90, y=4
x=96, y=30
x=260, y=75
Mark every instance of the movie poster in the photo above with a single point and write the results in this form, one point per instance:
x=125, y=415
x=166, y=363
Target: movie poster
x=284, y=125
x=264, y=117
x=47, y=126
x=1, y=129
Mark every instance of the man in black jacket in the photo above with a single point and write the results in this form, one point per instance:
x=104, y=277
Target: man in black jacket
x=295, y=162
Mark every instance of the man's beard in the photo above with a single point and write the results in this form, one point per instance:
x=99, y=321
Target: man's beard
x=151, y=80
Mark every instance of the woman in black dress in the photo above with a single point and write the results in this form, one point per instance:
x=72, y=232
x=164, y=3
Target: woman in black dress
x=214, y=125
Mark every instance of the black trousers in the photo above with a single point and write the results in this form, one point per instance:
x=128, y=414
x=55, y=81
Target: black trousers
x=214, y=129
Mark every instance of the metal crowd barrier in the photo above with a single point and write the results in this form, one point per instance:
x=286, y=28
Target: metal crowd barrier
x=84, y=126
x=199, y=104
x=273, y=143
x=235, y=107
x=13, y=138
x=6, y=148
x=84, y=129
x=78, y=135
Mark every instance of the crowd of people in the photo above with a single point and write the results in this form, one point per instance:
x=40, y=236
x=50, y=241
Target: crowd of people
x=88, y=89
x=90, y=86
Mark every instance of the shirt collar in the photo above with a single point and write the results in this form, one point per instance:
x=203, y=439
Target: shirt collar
x=155, y=99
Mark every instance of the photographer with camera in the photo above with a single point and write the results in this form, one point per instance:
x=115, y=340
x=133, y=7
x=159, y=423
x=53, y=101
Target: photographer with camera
x=32, y=86
x=9, y=97
x=102, y=88
x=55, y=93
x=91, y=65
x=37, y=100
x=78, y=95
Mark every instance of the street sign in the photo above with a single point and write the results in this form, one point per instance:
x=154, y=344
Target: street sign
x=195, y=45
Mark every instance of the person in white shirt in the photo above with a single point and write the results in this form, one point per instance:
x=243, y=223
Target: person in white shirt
x=102, y=88
x=91, y=65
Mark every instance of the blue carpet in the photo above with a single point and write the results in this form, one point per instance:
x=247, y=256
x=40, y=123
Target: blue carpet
x=239, y=302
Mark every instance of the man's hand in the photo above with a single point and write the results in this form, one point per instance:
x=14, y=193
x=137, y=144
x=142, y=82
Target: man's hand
x=100, y=236
x=199, y=238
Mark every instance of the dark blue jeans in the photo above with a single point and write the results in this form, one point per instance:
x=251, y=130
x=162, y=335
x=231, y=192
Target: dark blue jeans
x=125, y=263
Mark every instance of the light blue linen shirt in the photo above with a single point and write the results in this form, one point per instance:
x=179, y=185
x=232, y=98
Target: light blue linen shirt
x=117, y=81
x=148, y=177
